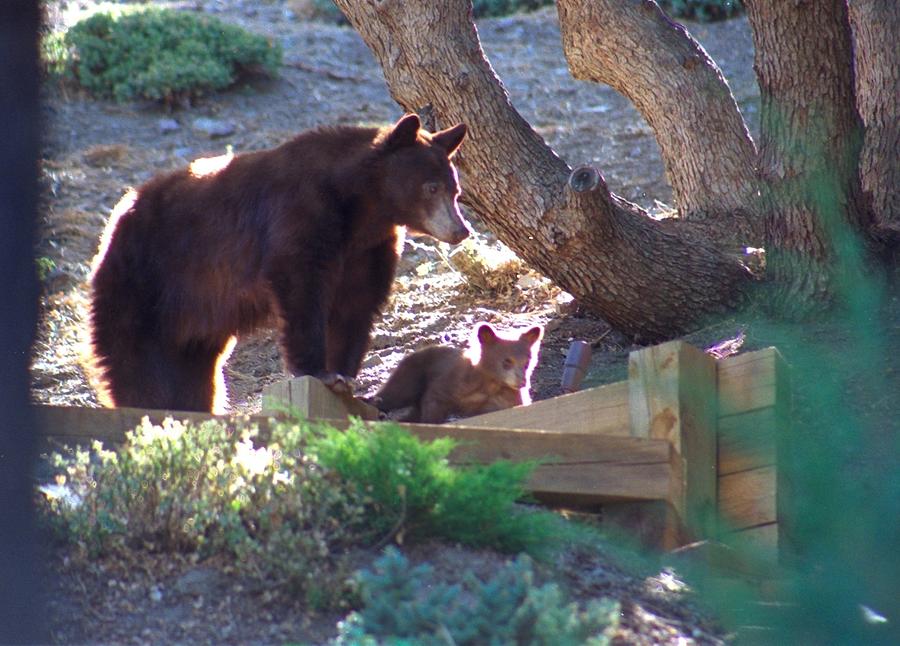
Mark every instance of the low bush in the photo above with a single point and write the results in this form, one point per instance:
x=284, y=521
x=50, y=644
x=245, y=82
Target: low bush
x=403, y=605
x=289, y=511
x=159, y=54
x=412, y=491
x=208, y=489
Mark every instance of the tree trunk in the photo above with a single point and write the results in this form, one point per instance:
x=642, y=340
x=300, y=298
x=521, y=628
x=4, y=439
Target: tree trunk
x=643, y=276
x=708, y=153
x=811, y=136
x=876, y=24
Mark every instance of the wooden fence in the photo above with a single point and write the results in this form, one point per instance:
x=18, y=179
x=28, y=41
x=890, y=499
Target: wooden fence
x=694, y=437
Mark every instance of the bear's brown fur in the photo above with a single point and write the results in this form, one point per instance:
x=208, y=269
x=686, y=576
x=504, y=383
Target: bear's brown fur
x=305, y=234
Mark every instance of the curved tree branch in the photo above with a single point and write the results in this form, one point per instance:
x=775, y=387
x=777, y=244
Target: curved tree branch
x=708, y=153
x=643, y=277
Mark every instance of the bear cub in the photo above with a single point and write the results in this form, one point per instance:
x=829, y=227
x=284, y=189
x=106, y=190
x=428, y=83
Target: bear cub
x=440, y=381
x=304, y=236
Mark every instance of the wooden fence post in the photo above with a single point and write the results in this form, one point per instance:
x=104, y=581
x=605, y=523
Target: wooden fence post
x=672, y=396
x=313, y=400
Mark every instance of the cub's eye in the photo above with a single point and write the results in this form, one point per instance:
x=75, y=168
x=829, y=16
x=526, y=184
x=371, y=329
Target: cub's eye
x=432, y=188
x=508, y=364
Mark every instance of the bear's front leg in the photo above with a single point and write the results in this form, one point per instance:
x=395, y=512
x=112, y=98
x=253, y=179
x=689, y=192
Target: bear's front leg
x=359, y=296
x=303, y=298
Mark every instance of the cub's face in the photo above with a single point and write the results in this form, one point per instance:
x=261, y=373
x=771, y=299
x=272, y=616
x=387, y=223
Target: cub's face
x=509, y=359
x=420, y=182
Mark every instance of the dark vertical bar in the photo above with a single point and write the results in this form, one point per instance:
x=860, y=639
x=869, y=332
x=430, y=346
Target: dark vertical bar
x=21, y=612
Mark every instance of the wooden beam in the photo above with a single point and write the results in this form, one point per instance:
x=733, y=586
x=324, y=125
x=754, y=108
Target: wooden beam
x=80, y=424
x=585, y=467
x=747, y=498
x=749, y=381
x=747, y=441
x=761, y=541
x=602, y=410
x=580, y=468
x=672, y=396
x=312, y=399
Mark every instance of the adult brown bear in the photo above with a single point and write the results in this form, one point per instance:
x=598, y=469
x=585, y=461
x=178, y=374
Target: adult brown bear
x=305, y=233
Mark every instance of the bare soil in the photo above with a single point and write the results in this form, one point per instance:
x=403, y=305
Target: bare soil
x=94, y=150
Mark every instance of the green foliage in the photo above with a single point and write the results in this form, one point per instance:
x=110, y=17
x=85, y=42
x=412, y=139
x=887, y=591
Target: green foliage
x=288, y=511
x=702, y=10
x=161, y=54
x=206, y=488
x=44, y=266
x=487, y=8
x=411, y=490
x=54, y=54
x=403, y=605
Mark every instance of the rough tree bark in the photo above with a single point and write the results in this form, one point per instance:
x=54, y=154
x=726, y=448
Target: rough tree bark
x=876, y=24
x=708, y=153
x=605, y=250
x=810, y=139
x=650, y=278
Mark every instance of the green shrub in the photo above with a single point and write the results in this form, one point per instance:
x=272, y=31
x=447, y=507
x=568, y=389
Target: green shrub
x=702, y=10
x=206, y=488
x=289, y=511
x=412, y=491
x=54, y=54
x=404, y=605
x=161, y=54
x=44, y=266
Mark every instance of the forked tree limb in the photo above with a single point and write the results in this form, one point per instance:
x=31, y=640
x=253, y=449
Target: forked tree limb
x=707, y=150
x=645, y=278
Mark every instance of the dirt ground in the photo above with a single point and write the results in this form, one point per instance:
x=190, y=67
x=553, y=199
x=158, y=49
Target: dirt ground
x=94, y=150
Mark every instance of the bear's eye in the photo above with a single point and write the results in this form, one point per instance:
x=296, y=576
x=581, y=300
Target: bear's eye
x=508, y=363
x=432, y=188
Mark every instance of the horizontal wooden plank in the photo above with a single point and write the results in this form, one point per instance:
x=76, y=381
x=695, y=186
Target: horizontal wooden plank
x=749, y=381
x=594, y=468
x=598, y=410
x=747, y=498
x=761, y=541
x=585, y=468
x=110, y=424
x=747, y=441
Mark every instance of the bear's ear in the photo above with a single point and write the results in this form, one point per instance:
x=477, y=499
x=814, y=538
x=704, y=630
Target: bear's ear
x=533, y=335
x=404, y=132
x=486, y=334
x=450, y=139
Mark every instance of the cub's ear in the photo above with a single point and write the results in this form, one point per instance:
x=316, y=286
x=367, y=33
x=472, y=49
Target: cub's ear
x=404, y=132
x=533, y=335
x=450, y=139
x=486, y=334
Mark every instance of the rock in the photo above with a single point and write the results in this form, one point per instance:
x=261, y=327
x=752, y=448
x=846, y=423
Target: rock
x=167, y=125
x=528, y=281
x=213, y=127
x=202, y=581
x=372, y=361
